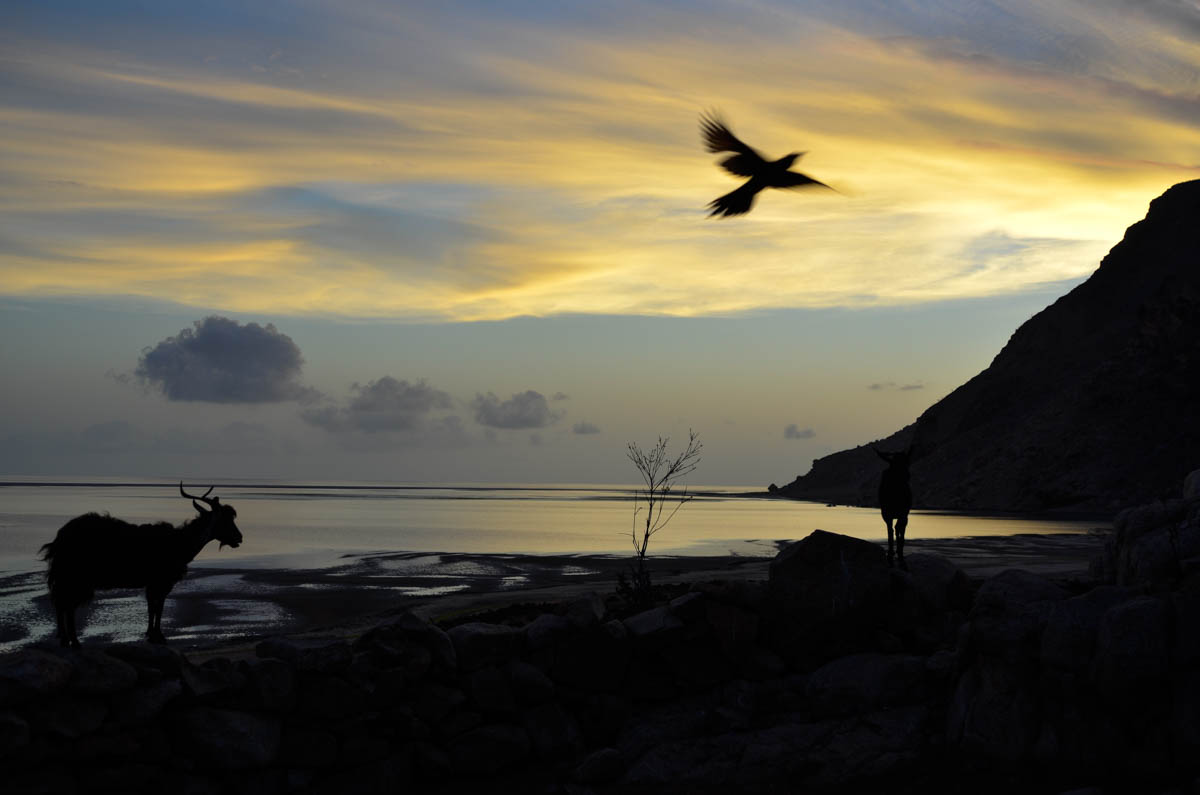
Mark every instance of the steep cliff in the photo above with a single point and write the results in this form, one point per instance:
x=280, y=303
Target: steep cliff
x=1094, y=403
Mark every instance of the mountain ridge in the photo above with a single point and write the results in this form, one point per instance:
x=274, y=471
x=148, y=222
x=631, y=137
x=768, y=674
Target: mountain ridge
x=1091, y=405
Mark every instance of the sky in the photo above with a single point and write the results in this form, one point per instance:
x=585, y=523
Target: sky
x=468, y=241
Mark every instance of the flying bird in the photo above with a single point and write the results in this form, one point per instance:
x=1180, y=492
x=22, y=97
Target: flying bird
x=748, y=163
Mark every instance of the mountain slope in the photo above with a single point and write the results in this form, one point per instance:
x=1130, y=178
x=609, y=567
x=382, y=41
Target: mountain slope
x=1093, y=404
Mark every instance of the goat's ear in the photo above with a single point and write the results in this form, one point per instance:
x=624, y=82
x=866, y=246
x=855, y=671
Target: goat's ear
x=196, y=505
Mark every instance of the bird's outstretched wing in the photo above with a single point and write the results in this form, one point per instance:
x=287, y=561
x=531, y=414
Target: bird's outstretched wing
x=794, y=179
x=718, y=138
x=736, y=202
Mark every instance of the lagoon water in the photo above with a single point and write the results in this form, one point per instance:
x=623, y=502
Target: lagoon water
x=299, y=525
x=326, y=551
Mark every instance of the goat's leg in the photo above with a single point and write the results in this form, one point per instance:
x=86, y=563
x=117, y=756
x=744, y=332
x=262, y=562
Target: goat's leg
x=891, y=554
x=901, y=526
x=72, y=634
x=155, y=597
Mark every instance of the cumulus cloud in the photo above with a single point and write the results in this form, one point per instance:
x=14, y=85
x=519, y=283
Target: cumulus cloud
x=585, y=428
x=222, y=361
x=382, y=406
x=527, y=409
x=793, y=431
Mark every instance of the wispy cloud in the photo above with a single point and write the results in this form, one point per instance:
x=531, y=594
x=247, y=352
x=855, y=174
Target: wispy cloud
x=429, y=163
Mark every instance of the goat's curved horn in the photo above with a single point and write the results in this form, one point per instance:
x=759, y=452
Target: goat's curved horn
x=196, y=505
x=203, y=498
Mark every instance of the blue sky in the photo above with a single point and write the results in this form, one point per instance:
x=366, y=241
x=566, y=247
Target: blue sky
x=444, y=204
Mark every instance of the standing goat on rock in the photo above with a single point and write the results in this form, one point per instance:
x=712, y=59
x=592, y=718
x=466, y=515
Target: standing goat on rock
x=95, y=552
x=895, y=499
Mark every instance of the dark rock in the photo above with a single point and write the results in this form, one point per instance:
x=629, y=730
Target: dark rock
x=458, y=722
x=432, y=702
x=107, y=746
x=420, y=631
x=861, y=683
x=318, y=656
x=491, y=690
x=994, y=712
x=600, y=767
x=478, y=644
x=1010, y=614
x=227, y=740
x=941, y=585
x=552, y=732
x=30, y=673
x=489, y=749
x=1069, y=639
x=1131, y=663
x=656, y=623
x=144, y=702
x=275, y=685
x=211, y=679
x=151, y=660
x=326, y=696
x=1186, y=604
x=689, y=607
x=601, y=716
x=96, y=673
x=308, y=747
x=545, y=630
x=586, y=611
x=529, y=684
x=735, y=629
x=671, y=723
x=381, y=777
x=596, y=659
x=67, y=716
x=830, y=593
x=14, y=733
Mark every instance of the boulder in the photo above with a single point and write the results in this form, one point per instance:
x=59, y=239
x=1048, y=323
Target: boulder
x=552, y=732
x=14, y=734
x=97, y=673
x=1010, y=614
x=529, y=684
x=656, y=622
x=489, y=749
x=544, y=631
x=1132, y=662
x=30, y=673
x=275, y=685
x=1191, y=485
x=67, y=716
x=600, y=767
x=860, y=683
x=734, y=628
x=318, y=656
x=226, y=739
x=586, y=611
x=994, y=711
x=594, y=660
x=941, y=585
x=829, y=594
x=478, y=644
x=1069, y=638
x=144, y=703
x=491, y=690
x=328, y=696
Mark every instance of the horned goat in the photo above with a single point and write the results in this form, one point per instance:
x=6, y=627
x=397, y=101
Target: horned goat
x=96, y=552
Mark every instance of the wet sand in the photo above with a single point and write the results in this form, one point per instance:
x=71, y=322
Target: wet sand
x=226, y=610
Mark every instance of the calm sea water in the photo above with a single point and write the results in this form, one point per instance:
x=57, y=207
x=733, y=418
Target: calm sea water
x=368, y=546
x=307, y=525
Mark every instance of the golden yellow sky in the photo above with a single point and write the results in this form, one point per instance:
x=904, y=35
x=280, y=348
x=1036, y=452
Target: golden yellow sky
x=385, y=161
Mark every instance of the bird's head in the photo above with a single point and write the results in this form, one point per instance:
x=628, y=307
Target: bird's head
x=792, y=158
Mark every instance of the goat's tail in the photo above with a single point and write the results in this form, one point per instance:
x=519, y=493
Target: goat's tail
x=46, y=553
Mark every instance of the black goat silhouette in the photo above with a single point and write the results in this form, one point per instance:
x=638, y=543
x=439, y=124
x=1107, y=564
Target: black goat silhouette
x=748, y=163
x=95, y=552
x=895, y=499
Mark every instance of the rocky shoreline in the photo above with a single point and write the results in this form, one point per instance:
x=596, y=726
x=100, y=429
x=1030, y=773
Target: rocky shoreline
x=837, y=673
